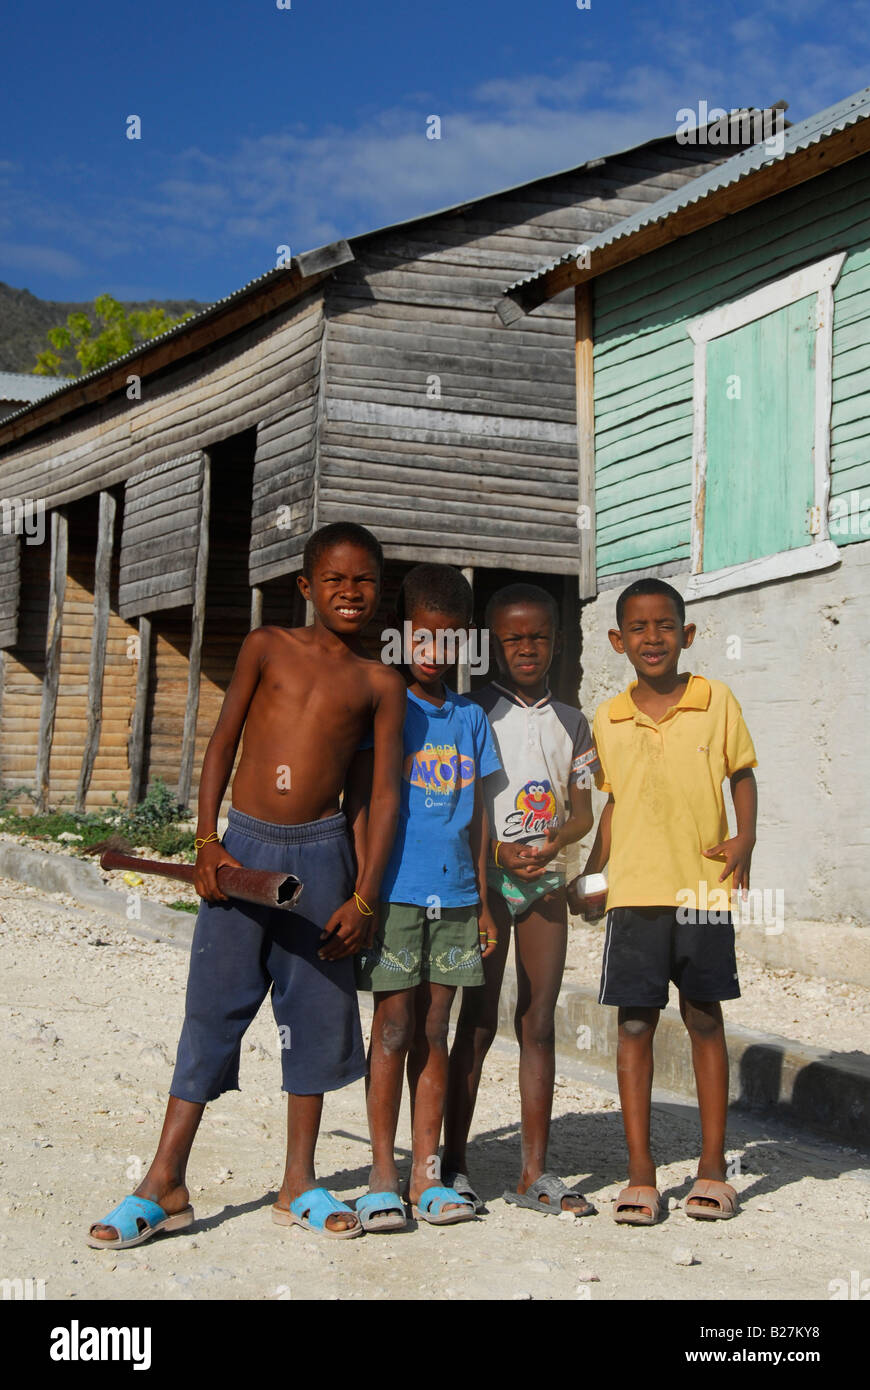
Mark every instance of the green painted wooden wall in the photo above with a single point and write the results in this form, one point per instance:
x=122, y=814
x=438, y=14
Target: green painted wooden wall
x=644, y=360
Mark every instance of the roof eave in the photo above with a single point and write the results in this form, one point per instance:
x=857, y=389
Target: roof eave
x=777, y=176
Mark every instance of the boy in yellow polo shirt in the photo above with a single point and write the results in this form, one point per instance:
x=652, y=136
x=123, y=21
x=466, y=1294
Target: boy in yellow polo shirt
x=665, y=745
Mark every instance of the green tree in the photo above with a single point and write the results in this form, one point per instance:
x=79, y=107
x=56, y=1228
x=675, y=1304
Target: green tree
x=116, y=331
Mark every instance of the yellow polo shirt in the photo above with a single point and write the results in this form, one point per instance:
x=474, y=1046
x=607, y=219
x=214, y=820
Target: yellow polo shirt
x=666, y=780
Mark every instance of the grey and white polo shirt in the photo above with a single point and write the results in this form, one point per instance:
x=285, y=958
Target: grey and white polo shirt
x=544, y=748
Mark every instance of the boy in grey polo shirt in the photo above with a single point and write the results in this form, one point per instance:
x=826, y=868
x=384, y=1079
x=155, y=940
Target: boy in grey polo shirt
x=536, y=807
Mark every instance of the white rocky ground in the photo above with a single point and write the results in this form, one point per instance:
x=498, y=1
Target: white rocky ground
x=90, y=1017
x=824, y=1013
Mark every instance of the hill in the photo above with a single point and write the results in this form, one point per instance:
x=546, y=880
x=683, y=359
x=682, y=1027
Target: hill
x=25, y=321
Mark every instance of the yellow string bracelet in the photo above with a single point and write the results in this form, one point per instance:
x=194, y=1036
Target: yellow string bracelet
x=363, y=906
x=198, y=844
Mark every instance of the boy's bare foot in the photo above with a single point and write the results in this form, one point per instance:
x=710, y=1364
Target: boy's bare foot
x=641, y=1175
x=715, y=1169
x=336, y=1221
x=420, y=1179
x=171, y=1196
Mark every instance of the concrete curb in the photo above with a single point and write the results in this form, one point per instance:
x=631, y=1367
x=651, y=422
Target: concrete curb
x=829, y=950
x=770, y=1076
x=60, y=873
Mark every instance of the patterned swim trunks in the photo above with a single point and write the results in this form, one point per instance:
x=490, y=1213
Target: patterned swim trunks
x=410, y=947
x=521, y=895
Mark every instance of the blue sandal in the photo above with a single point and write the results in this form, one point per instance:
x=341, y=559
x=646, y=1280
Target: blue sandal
x=312, y=1209
x=381, y=1211
x=431, y=1203
x=125, y=1218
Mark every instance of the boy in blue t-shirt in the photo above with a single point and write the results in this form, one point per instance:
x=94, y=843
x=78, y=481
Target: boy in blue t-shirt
x=435, y=927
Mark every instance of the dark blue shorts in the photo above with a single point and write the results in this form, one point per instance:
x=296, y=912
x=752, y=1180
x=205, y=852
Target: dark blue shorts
x=647, y=947
x=241, y=952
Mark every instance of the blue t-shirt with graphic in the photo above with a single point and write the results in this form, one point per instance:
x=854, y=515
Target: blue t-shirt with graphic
x=445, y=750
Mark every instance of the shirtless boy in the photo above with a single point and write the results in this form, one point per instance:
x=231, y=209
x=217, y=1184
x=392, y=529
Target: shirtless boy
x=306, y=698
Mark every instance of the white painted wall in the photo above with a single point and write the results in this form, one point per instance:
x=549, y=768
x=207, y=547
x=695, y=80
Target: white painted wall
x=802, y=680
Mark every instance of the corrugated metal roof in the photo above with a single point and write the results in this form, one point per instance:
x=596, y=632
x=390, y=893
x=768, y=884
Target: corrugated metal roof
x=23, y=386
x=587, y=166
x=151, y=342
x=799, y=136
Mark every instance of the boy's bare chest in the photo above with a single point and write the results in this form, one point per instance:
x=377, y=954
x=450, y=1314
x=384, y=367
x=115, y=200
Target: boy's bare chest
x=305, y=688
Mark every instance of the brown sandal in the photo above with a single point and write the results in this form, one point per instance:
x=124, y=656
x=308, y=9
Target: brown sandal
x=638, y=1206
x=722, y=1193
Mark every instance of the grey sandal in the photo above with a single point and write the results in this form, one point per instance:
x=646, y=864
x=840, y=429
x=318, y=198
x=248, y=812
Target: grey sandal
x=460, y=1183
x=551, y=1186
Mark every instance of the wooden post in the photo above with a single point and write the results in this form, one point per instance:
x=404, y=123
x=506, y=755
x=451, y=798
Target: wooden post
x=188, y=738
x=256, y=607
x=298, y=606
x=136, y=745
x=584, y=387
x=57, y=587
x=463, y=674
x=102, y=579
x=2, y=688
x=569, y=659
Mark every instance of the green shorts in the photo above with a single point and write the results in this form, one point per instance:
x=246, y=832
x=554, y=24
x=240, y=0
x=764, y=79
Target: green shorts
x=519, y=894
x=410, y=948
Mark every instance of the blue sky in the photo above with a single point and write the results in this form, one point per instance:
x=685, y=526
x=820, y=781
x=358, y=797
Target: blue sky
x=263, y=127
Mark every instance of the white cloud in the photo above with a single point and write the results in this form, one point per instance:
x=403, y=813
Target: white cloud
x=50, y=260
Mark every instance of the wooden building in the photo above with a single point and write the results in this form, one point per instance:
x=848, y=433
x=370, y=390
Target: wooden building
x=369, y=380
x=723, y=351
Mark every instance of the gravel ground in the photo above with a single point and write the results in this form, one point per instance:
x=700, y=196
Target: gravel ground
x=824, y=1013
x=91, y=1016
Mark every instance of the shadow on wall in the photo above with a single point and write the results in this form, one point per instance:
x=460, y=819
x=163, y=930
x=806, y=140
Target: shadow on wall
x=830, y=1094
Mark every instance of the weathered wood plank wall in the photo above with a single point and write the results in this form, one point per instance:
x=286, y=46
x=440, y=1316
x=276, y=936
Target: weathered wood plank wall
x=445, y=434
x=238, y=383
x=282, y=514
x=9, y=587
x=162, y=509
